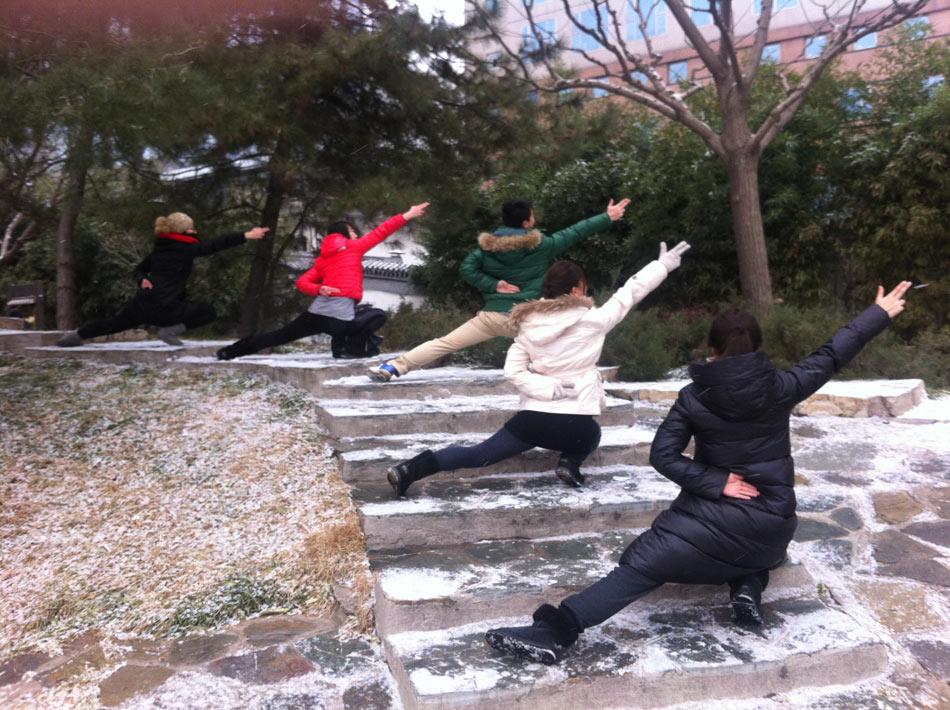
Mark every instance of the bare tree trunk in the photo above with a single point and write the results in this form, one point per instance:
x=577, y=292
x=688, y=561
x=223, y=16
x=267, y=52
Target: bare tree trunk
x=754, y=277
x=67, y=312
x=254, y=298
x=10, y=249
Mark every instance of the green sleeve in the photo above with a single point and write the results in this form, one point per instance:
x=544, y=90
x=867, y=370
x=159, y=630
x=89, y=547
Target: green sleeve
x=471, y=271
x=567, y=238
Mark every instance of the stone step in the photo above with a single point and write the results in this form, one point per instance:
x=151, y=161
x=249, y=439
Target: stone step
x=455, y=414
x=437, y=382
x=18, y=340
x=146, y=352
x=843, y=398
x=422, y=590
x=650, y=655
x=443, y=510
x=368, y=457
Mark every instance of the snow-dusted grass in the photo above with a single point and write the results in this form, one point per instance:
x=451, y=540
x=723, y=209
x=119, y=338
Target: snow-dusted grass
x=149, y=501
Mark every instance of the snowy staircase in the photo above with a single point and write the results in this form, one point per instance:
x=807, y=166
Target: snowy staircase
x=474, y=549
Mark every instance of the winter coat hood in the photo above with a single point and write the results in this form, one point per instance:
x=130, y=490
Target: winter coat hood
x=509, y=239
x=542, y=322
x=333, y=243
x=737, y=387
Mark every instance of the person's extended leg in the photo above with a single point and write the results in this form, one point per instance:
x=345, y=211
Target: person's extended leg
x=300, y=327
x=556, y=628
x=181, y=317
x=484, y=326
x=498, y=447
x=575, y=436
x=129, y=317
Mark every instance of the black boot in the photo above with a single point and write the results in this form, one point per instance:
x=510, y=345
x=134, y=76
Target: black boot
x=402, y=475
x=569, y=471
x=746, y=599
x=553, y=631
x=225, y=353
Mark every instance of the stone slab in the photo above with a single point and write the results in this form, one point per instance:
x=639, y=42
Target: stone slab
x=369, y=457
x=19, y=340
x=366, y=417
x=145, y=352
x=650, y=654
x=511, y=506
x=129, y=681
x=450, y=586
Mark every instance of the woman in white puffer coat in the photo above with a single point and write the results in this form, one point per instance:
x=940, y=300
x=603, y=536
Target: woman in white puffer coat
x=553, y=364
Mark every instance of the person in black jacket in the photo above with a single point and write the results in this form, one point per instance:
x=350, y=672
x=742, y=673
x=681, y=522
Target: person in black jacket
x=735, y=515
x=161, y=278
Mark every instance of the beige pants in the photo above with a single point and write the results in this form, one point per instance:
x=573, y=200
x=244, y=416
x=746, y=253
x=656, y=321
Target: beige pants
x=484, y=326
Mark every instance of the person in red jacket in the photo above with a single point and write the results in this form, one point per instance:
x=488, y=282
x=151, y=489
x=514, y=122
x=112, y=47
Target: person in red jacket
x=336, y=280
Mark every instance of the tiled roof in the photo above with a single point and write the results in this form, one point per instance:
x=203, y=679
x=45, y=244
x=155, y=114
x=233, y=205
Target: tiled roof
x=394, y=269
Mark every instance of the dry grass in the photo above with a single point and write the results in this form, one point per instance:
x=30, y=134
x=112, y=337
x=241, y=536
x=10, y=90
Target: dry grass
x=140, y=500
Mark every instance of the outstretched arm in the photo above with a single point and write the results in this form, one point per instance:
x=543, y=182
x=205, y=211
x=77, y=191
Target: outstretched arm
x=391, y=225
x=567, y=238
x=814, y=371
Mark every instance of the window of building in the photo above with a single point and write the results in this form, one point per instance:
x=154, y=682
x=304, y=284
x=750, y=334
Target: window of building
x=776, y=6
x=546, y=29
x=814, y=46
x=700, y=13
x=856, y=104
x=588, y=19
x=866, y=42
x=654, y=17
x=772, y=53
x=678, y=72
x=919, y=26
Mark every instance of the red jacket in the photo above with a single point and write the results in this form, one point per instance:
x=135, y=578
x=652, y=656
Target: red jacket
x=340, y=263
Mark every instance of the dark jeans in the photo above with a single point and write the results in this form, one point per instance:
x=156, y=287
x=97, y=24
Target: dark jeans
x=574, y=435
x=143, y=310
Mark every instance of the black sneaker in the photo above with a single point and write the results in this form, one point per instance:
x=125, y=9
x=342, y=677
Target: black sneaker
x=224, y=354
x=569, y=472
x=746, y=607
x=536, y=643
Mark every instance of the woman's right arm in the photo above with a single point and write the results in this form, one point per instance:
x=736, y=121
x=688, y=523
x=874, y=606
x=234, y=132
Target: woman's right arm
x=810, y=374
x=540, y=387
x=309, y=282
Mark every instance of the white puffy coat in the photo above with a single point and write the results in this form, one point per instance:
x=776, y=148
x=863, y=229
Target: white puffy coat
x=559, y=341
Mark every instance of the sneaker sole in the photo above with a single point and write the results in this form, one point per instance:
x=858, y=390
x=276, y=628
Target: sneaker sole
x=379, y=376
x=519, y=649
x=394, y=482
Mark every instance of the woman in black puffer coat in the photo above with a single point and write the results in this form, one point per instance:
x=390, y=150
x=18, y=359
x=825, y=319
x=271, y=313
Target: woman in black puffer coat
x=735, y=515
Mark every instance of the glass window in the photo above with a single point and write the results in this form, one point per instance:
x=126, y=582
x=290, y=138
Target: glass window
x=654, y=17
x=678, y=72
x=814, y=46
x=776, y=6
x=588, y=19
x=866, y=42
x=700, y=13
x=772, y=53
x=856, y=104
x=546, y=29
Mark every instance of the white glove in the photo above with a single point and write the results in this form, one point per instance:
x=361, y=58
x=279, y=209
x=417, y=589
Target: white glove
x=671, y=259
x=564, y=390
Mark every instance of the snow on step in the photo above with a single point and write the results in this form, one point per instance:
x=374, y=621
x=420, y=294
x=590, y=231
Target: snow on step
x=367, y=417
x=650, y=655
x=439, y=588
x=843, y=398
x=443, y=509
x=367, y=458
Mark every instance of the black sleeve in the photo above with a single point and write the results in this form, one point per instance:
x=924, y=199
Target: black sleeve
x=810, y=374
x=220, y=243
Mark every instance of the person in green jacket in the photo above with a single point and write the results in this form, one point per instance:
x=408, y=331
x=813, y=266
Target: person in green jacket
x=508, y=267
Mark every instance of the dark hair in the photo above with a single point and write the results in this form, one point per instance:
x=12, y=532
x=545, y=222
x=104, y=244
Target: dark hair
x=515, y=212
x=561, y=278
x=734, y=332
x=340, y=227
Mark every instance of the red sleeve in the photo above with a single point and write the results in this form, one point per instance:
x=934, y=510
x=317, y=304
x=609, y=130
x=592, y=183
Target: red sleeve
x=368, y=241
x=310, y=281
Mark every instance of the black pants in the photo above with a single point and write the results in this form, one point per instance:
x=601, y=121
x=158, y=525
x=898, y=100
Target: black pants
x=624, y=585
x=143, y=310
x=574, y=435
x=361, y=340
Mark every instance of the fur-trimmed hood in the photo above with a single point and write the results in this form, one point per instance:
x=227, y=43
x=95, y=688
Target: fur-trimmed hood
x=508, y=239
x=540, y=322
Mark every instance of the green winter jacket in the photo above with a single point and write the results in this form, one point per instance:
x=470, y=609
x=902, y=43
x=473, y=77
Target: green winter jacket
x=520, y=257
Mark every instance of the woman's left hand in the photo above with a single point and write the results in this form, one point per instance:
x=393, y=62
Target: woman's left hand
x=328, y=290
x=736, y=487
x=416, y=211
x=893, y=302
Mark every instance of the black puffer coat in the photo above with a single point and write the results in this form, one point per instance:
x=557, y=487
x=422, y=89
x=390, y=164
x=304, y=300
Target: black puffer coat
x=169, y=265
x=737, y=409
